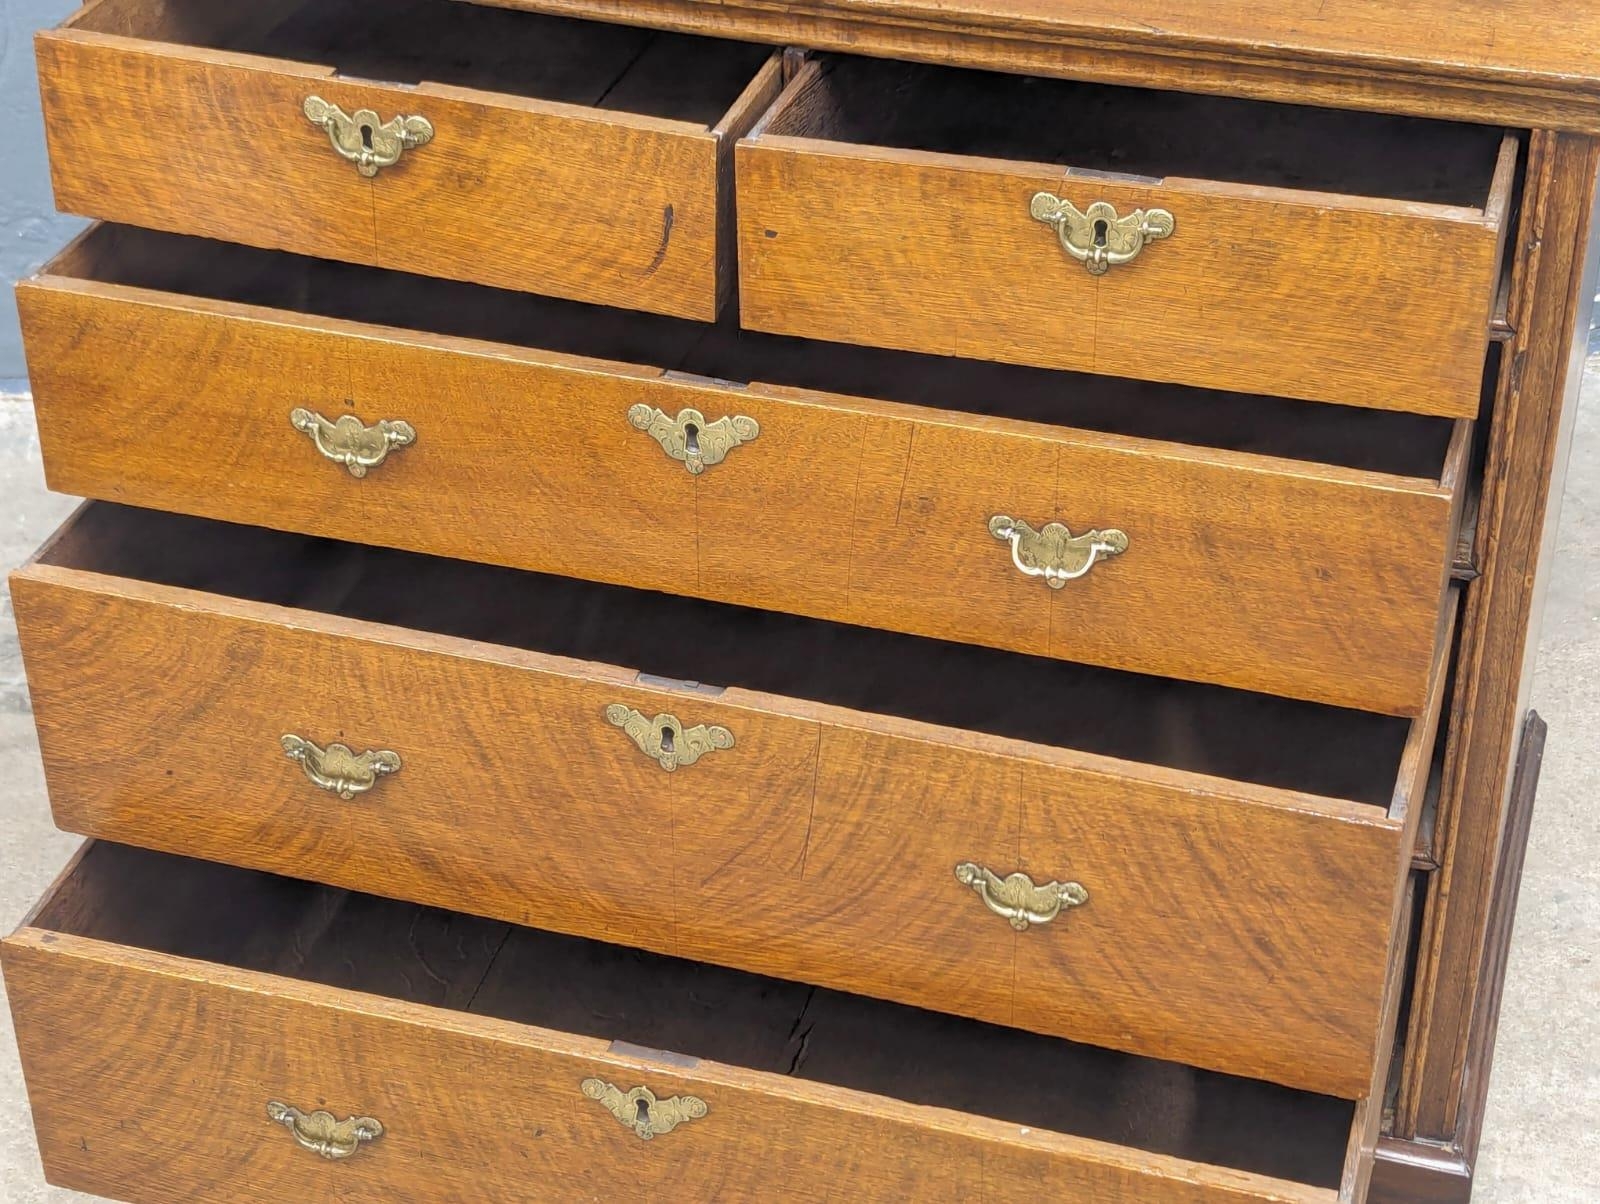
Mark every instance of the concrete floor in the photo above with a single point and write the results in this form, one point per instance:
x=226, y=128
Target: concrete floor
x=1540, y=1142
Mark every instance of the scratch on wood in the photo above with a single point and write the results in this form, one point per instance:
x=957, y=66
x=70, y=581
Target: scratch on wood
x=811, y=815
x=666, y=237
x=855, y=516
x=900, y=500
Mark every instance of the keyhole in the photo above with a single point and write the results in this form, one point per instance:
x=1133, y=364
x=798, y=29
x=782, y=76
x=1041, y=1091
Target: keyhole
x=366, y=136
x=643, y=1107
x=1100, y=229
x=691, y=435
x=666, y=747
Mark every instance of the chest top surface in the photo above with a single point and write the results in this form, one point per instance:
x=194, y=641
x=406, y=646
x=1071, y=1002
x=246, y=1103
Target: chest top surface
x=1519, y=62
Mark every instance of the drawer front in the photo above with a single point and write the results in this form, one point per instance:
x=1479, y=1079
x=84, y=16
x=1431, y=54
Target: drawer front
x=1313, y=296
x=803, y=834
x=865, y=512
x=151, y=1078
x=597, y=206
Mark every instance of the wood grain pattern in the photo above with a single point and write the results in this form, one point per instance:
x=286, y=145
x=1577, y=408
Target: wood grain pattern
x=932, y=252
x=865, y=511
x=1554, y=284
x=823, y=831
x=1355, y=55
x=1360, y=1155
x=1417, y=1171
x=1501, y=923
x=515, y=191
x=114, y=1035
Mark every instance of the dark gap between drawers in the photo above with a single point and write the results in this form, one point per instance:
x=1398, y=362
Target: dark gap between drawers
x=264, y=923
x=1206, y=729
x=1143, y=132
x=1396, y=443
x=611, y=67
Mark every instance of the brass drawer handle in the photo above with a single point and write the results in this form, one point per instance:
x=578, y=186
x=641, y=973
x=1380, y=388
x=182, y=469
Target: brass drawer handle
x=351, y=442
x=690, y=439
x=665, y=739
x=641, y=1111
x=363, y=139
x=1017, y=899
x=1055, y=553
x=337, y=769
x=1097, y=237
x=320, y=1133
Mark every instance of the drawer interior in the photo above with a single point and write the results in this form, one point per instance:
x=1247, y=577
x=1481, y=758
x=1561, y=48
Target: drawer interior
x=1233, y=734
x=259, y=922
x=1407, y=445
x=1135, y=132
x=608, y=67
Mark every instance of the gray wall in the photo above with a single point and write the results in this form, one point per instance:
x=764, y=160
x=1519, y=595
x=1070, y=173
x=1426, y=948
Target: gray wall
x=30, y=228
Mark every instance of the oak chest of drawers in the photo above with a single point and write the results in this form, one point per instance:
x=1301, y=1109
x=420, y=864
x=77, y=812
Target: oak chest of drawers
x=831, y=601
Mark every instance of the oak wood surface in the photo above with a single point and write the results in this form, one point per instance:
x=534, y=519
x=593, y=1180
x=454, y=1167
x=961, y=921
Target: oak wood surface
x=1366, y=1132
x=153, y=262
x=559, y=196
x=1419, y=1171
x=1255, y=738
x=1309, y=580
x=1528, y=442
x=463, y=1037
x=1502, y=917
x=1521, y=63
x=822, y=831
x=930, y=251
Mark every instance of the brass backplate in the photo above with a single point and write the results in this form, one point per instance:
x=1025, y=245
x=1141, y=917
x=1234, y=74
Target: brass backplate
x=1099, y=237
x=324, y=1136
x=1017, y=899
x=639, y=1109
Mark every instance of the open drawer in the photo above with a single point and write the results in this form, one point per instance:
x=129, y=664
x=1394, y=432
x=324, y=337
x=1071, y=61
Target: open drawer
x=1210, y=876
x=1248, y=541
x=1301, y=252
x=194, y=1032
x=529, y=152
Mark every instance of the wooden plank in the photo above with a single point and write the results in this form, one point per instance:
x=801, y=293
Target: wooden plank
x=1529, y=438
x=872, y=512
x=204, y=1047
x=854, y=243
x=1501, y=922
x=822, y=829
x=471, y=736
x=600, y=205
x=1366, y=1133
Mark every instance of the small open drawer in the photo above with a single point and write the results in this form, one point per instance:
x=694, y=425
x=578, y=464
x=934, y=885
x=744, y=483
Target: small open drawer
x=194, y=1032
x=530, y=152
x=1264, y=544
x=1307, y=253
x=753, y=789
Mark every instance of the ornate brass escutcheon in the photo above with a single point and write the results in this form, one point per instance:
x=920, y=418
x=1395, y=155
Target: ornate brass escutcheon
x=351, y=442
x=1097, y=237
x=320, y=1133
x=363, y=139
x=690, y=439
x=641, y=1111
x=1055, y=553
x=1017, y=899
x=665, y=739
x=337, y=769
